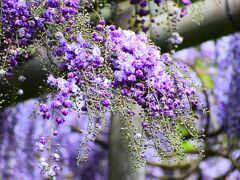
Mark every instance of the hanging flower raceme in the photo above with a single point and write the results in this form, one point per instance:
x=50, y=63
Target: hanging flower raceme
x=61, y=12
x=24, y=27
x=18, y=31
x=117, y=66
x=105, y=70
x=158, y=84
x=142, y=73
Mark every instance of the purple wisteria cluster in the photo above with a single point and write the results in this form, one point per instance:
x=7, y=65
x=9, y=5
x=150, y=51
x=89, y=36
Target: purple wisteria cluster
x=80, y=59
x=23, y=26
x=19, y=27
x=141, y=73
x=103, y=66
x=116, y=64
x=138, y=70
x=17, y=19
x=65, y=88
x=28, y=27
x=62, y=13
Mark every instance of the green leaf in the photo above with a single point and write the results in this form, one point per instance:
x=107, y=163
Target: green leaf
x=182, y=130
x=188, y=146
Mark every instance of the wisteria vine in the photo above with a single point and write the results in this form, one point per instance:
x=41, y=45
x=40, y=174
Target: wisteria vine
x=99, y=69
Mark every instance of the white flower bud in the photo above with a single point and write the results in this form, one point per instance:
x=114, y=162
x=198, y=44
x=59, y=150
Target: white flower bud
x=56, y=156
x=20, y=92
x=2, y=72
x=138, y=136
x=22, y=78
x=59, y=35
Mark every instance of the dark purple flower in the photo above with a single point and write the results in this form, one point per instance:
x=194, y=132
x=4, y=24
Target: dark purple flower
x=46, y=115
x=139, y=73
x=99, y=27
x=56, y=104
x=184, y=12
x=67, y=104
x=84, y=108
x=131, y=78
x=64, y=111
x=143, y=12
x=55, y=133
x=102, y=22
x=105, y=102
x=143, y=3
x=144, y=124
x=158, y=2
x=42, y=140
x=60, y=120
x=125, y=91
x=44, y=108
x=53, y=3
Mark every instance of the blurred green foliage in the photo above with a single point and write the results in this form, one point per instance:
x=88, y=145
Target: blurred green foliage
x=201, y=68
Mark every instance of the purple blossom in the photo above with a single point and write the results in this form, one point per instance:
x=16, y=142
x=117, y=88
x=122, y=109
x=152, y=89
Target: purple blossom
x=44, y=108
x=102, y=22
x=53, y=3
x=105, y=102
x=186, y=2
x=184, y=12
x=60, y=120
x=64, y=111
